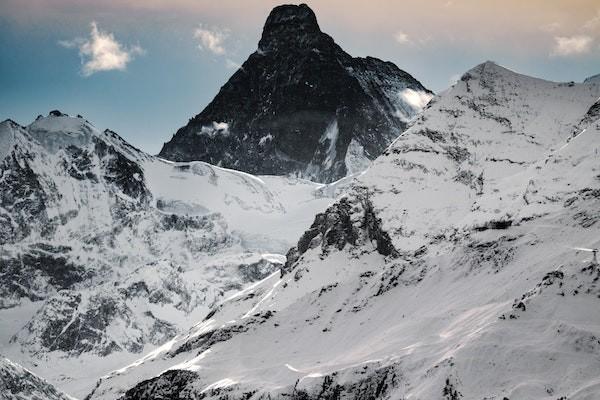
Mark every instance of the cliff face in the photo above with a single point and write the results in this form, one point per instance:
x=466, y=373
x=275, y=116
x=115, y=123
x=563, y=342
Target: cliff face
x=300, y=105
x=18, y=383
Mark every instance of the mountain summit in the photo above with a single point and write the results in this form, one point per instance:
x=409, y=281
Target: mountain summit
x=291, y=25
x=300, y=105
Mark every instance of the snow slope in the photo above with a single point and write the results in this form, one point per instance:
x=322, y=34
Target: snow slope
x=447, y=272
x=107, y=252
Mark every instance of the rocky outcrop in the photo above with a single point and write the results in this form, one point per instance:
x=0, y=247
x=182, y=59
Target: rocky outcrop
x=18, y=383
x=175, y=384
x=351, y=221
x=298, y=104
x=369, y=383
x=25, y=204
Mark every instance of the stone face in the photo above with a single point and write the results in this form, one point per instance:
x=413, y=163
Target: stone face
x=296, y=104
x=25, y=203
x=18, y=383
x=351, y=221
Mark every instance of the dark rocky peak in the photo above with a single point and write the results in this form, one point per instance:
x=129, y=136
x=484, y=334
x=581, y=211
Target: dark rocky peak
x=352, y=221
x=57, y=113
x=292, y=26
x=300, y=105
x=592, y=115
x=11, y=123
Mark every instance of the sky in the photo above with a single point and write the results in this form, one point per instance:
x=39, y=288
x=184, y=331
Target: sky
x=144, y=67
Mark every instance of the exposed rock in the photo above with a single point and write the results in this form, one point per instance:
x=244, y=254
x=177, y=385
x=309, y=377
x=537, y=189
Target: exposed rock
x=352, y=220
x=297, y=103
x=17, y=383
x=170, y=385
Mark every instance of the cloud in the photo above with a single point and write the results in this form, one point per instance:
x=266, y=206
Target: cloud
x=211, y=39
x=415, y=99
x=571, y=45
x=102, y=52
x=217, y=128
x=402, y=38
x=593, y=24
x=412, y=40
x=551, y=27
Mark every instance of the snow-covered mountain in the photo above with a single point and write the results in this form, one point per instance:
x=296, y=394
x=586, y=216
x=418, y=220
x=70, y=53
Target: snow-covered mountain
x=300, y=105
x=592, y=79
x=17, y=383
x=107, y=252
x=447, y=272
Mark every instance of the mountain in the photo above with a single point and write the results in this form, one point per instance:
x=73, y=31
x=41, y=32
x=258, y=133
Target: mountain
x=107, y=252
x=300, y=105
x=448, y=271
x=17, y=383
x=592, y=79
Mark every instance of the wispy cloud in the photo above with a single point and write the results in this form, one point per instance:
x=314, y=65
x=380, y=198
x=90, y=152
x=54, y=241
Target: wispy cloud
x=582, y=38
x=551, y=27
x=402, y=38
x=406, y=39
x=101, y=51
x=565, y=46
x=211, y=39
x=593, y=24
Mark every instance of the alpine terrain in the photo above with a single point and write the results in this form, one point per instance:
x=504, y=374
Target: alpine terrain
x=19, y=383
x=452, y=269
x=107, y=252
x=300, y=105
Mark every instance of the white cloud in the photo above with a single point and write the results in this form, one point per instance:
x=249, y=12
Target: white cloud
x=402, y=38
x=415, y=99
x=571, y=45
x=211, y=39
x=412, y=40
x=217, y=128
x=101, y=51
